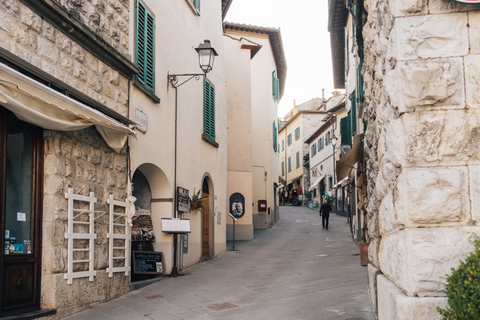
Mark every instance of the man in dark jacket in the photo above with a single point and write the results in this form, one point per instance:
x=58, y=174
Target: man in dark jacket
x=325, y=209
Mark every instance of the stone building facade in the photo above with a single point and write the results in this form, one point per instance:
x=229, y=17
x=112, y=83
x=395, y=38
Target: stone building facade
x=62, y=71
x=421, y=145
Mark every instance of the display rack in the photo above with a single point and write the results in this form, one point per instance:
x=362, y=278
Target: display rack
x=76, y=239
x=118, y=221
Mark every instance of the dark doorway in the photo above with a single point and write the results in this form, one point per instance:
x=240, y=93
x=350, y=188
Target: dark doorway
x=21, y=167
x=205, y=219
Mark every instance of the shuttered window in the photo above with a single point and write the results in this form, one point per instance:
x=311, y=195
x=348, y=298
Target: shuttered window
x=353, y=111
x=297, y=133
x=275, y=86
x=145, y=46
x=283, y=145
x=345, y=131
x=283, y=168
x=209, y=110
x=289, y=164
x=196, y=4
x=274, y=136
x=289, y=139
x=298, y=159
x=314, y=150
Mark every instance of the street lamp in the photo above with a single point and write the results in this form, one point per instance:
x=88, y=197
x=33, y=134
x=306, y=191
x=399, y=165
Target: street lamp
x=206, y=56
x=334, y=144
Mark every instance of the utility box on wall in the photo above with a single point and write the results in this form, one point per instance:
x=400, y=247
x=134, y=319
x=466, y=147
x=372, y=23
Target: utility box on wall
x=262, y=205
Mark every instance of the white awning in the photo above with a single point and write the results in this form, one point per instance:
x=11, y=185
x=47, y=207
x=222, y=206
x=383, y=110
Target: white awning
x=42, y=106
x=316, y=182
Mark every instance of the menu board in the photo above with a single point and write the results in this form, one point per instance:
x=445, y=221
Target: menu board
x=175, y=225
x=148, y=262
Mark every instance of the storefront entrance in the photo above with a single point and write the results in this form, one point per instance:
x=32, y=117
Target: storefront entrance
x=20, y=214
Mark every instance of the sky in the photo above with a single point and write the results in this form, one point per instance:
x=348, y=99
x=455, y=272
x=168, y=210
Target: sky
x=306, y=43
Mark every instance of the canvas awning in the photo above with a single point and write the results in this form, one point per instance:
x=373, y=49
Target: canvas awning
x=35, y=103
x=291, y=180
x=314, y=185
x=345, y=164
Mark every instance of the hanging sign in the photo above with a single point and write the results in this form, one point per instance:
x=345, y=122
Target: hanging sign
x=142, y=120
x=237, y=205
x=182, y=199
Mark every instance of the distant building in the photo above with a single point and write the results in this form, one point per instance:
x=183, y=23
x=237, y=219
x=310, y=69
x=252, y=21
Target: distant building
x=256, y=73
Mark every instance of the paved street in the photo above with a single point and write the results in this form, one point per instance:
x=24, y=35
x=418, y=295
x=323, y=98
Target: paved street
x=295, y=270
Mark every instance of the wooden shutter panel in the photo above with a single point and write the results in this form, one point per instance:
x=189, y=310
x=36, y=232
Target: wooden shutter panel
x=209, y=110
x=196, y=3
x=354, y=113
x=298, y=159
x=145, y=47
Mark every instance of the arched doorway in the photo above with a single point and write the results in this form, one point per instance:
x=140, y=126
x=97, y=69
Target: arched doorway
x=207, y=218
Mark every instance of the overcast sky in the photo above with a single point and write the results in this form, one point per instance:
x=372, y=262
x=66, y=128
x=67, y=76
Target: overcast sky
x=306, y=42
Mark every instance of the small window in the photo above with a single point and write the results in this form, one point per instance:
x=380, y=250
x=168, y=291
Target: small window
x=297, y=133
x=327, y=138
x=289, y=164
x=275, y=87
x=330, y=183
x=283, y=144
x=289, y=138
x=298, y=159
x=314, y=150
x=283, y=168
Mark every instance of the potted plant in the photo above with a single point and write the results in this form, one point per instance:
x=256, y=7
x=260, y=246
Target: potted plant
x=196, y=202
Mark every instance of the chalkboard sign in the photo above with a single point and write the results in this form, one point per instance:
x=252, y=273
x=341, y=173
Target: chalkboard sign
x=148, y=262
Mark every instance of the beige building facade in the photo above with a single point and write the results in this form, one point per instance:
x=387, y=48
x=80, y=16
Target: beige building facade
x=255, y=118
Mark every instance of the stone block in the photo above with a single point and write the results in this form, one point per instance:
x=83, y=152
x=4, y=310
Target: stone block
x=474, y=28
x=430, y=84
x=410, y=7
x=433, y=196
x=419, y=258
x=94, y=81
x=78, y=53
x=472, y=79
x=372, y=287
x=432, y=36
x=53, y=184
x=47, y=50
x=388, y=220
x=474, y=174
x=31, y=19
x=395, y=305
x=448, y=6
x=49, y=32
x=79, y=71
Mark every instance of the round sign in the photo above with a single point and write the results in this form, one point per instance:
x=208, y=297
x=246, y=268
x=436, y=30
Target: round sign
x=237, y=205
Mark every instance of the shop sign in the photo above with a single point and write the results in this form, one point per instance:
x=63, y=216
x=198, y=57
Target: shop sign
x=182, y=199
x=237, y=205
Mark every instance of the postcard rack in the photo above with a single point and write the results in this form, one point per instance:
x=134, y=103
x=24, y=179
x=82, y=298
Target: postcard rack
x=117, y=222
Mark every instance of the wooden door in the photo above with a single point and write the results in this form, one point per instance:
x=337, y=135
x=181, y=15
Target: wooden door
x=205, y=227
x=20, y=215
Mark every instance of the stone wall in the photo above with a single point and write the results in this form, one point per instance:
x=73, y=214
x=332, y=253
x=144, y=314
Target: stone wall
x=83, y=161
x=422, y=149
x=28, y=36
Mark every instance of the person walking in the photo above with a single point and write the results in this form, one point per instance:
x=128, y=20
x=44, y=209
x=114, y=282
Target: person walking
x=325, y=209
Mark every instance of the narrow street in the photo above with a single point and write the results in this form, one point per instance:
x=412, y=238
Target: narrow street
x=295, y=270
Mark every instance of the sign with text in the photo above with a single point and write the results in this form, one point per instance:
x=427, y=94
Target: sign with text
x=141, y=120
x=148, y=262
x=182, y=199
x=175, y=225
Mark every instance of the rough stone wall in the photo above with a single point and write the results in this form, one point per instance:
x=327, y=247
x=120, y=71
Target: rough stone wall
x=421, y=73
x=28, y=36
x=82, y=160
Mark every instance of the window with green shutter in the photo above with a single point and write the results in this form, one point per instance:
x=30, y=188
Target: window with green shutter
x=283, y=168
x=298, y=159
x=145, y=46
x=289, y=138
x=275, y=86
x=314, y=150
x=196, y=4
x=345, y=131
x=209, y=110
x=274, y=136
x=359, y=81
x=327, y=138
x=297, y=133
x=283, y=145
x=353, y=111
x=289, y=164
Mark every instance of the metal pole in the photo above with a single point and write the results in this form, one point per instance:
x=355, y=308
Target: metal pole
x=334, y=179
x=233, y=249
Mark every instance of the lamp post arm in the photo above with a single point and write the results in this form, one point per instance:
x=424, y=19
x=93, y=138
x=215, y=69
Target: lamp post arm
x=173, y=78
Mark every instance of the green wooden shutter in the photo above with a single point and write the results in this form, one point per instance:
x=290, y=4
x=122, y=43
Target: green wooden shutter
x=196, y=3
x=283, y=168
x=274, y=136
x=275, y=86
x=145, y=46
x=209, y=110
x=289, y=164
x=298, y=159
x=354, y=113
x=360, y=81
x=345, y=131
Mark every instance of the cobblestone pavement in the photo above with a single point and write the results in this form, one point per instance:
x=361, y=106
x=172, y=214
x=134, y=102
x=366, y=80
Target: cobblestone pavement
x=295, y=270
